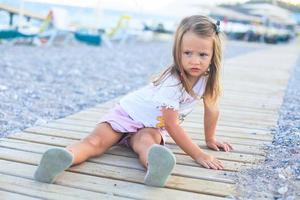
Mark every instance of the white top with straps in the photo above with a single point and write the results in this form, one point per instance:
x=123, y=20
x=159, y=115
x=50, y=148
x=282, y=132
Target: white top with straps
x=144, y=105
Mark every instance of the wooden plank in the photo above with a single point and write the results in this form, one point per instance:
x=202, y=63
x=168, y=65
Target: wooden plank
x=98, y=184
x=233, y=130
x=194, y=129
x=244, y=149
x=122, y=162
x=198, y=135
x=63, y=142
x=238, y=148
x=27, y=13
x=5, y=195
x=55, y=140
x=48, y=191
x=194, y=136
x=129, y=174
x=118, y=152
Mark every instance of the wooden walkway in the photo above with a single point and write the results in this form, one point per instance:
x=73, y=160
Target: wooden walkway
x=14, y=10
x=254, y=86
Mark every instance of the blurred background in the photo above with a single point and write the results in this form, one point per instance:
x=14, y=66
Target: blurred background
x=103, y=21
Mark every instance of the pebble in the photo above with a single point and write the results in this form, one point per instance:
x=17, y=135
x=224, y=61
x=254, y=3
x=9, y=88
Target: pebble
x=3, y=87
x=283, y=190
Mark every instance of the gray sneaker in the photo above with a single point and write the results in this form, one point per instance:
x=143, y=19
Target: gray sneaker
x=53, y=163
x=161, y=162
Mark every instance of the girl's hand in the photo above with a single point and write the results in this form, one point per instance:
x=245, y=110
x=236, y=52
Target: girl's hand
x=215, y=145
x=209, y=162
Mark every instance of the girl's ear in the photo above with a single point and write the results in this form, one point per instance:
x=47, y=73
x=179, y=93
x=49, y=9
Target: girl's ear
x=207, y=71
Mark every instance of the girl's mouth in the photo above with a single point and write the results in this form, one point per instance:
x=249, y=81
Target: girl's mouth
x=195, y=69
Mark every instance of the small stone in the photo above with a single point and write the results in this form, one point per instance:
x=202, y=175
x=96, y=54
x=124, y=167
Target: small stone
x=40, y=122
x=290, y=198
x=281, y=176
x=283, y=190
x=3, y=87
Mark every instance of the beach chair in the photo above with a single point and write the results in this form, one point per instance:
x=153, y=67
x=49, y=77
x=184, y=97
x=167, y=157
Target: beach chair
x=37, y=34
x=60, y=25
x=28, y=33
x=121, y=32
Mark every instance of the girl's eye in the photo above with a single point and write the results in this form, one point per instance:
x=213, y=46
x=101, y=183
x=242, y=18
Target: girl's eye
x=188, y=53
x=203, y=54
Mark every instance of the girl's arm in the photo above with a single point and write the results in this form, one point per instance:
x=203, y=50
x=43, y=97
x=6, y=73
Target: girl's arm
x=182, y=139
x=211, y=115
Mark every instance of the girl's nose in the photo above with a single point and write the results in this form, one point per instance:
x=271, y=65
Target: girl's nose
x=195, y=60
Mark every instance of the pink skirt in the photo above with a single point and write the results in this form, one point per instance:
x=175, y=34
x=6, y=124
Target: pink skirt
x=121, y=122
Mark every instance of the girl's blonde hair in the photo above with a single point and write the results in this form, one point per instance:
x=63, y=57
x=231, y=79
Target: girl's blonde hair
x=203, y=27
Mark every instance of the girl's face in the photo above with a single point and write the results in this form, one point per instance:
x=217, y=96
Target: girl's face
x=196, y=54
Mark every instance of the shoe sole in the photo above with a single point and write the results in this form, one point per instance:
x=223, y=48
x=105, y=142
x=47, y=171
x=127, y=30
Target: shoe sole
x=54, y=161
x=161, y=162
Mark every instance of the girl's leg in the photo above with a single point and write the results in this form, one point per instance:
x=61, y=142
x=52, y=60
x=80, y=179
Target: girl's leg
x=101, y=139
x=158, y=159
x=56, y=160
x=142, y=141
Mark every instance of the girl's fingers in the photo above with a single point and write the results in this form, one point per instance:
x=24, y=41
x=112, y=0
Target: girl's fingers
x=214, y=146
x=226, y=147
x=212, y=165
x=219, y=165
x=217, y=148
x=231, y=148
x=204, y=164
x=216, y=164
x=223, y=146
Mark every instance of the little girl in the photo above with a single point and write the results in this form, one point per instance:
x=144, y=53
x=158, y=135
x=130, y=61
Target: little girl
x=142, y=119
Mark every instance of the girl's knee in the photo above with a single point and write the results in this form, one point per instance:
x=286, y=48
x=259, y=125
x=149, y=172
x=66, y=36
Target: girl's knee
x=97, y=138
x=145, y=137
x=102, y=137
x=93, y=142
x=155, y=135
